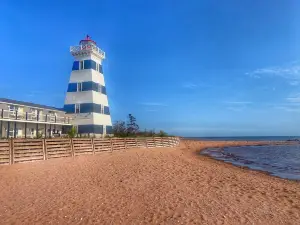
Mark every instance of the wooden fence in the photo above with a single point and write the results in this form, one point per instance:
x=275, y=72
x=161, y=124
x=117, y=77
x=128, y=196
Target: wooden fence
x=26, y=150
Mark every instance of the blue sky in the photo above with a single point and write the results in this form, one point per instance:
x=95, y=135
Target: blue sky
x=193, y=68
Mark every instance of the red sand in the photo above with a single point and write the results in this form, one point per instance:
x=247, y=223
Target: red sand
x=144, y=186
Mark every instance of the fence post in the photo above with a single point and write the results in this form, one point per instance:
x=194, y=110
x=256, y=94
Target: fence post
x=169, y=142
x=146, y=143
x=72, y=148
x=125, y=143
x=111, y=144
x=93, y=146
x=172, y=141
x=11, y=151
x=44, y=148
x=154, y=142
x=136, y=144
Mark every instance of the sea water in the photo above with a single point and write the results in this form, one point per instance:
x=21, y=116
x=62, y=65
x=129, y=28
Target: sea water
x=278, y=160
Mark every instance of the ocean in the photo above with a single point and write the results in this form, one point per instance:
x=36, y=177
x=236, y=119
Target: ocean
x=278, y=160
x=246, y=138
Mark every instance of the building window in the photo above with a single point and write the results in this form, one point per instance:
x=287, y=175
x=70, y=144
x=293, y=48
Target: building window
x=51, y=113
x=77, y=108
x=13, y=108
x=81, y=65
x=79, y=87
x=99, y=88
x=11, y=132
x=32, y=110
x=97, y=66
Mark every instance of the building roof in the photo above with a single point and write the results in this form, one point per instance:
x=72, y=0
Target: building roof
x=30, y=104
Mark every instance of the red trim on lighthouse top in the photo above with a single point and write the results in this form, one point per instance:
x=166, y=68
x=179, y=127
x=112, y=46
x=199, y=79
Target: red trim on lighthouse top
x=88, y=39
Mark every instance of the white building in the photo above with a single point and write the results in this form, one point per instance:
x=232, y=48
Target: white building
x=26, y=120
x=86, y=97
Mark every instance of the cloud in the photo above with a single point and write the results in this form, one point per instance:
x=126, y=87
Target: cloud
x=290, y=108
x=236, y=109
x=237, y=106
x=294, y=83
x=290, y=71
x=237, y=102
x=294, y=98
x=292, y=104
x=191, y=85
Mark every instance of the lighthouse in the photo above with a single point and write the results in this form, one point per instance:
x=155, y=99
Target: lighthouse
x=86, y=98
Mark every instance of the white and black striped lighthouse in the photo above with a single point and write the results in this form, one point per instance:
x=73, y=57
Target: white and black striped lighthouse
x=86, y=96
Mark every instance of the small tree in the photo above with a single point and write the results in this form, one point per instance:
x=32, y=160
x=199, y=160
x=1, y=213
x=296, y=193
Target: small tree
x=132, y=127
x=162, y=134
x=119, y=129
x=72, y=132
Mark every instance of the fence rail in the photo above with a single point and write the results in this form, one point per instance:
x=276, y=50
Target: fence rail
x=27, y=150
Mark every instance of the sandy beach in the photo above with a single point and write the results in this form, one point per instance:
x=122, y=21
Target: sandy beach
x=145, y=186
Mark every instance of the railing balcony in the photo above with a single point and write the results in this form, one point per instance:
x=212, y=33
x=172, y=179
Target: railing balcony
x=27, y=116
x=88, y=47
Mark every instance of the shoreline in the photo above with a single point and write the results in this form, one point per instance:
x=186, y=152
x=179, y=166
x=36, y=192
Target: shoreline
x=242, y=144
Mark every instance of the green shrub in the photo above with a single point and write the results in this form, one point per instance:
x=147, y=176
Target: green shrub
x=72, y=132
x=162, y=134
x=39, y=135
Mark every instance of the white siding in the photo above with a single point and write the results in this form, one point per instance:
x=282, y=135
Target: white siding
x=86, y=75
x=86, y=97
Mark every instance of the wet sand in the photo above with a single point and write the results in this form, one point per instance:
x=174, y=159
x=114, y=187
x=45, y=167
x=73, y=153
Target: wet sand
x=145, y=186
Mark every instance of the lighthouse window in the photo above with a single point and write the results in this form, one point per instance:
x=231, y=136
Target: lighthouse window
x=81, y=65
x=89, y=64
x=77, y=108
x=103, y=90
x=79, y=87
x=106, y=110
x=75, y=65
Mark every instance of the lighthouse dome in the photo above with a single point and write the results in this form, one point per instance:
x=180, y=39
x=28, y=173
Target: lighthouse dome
x=87, y=41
